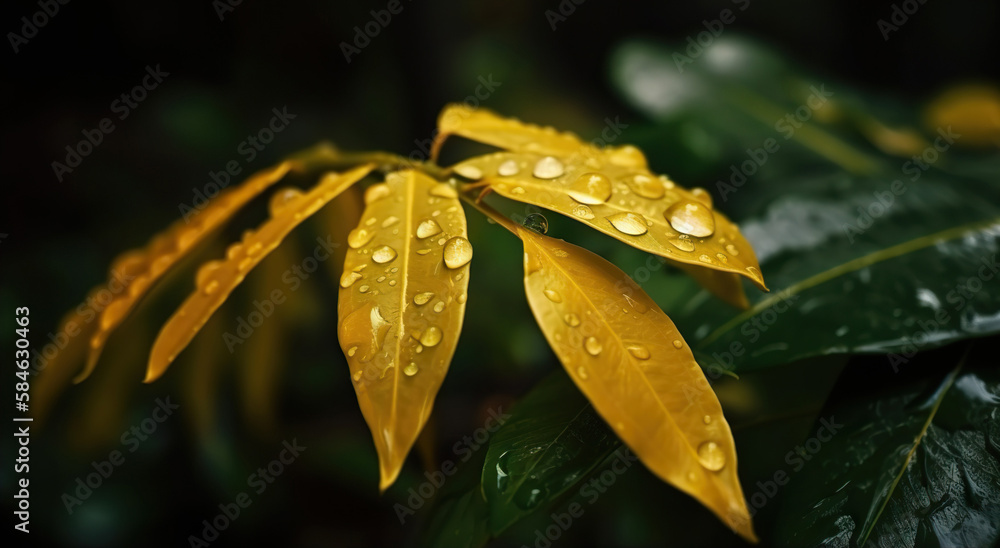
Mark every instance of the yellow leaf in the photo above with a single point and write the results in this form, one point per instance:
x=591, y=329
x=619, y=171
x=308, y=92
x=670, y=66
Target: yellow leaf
x=627, y=357
x=217, y=279
x=724, y=285
x=138, y=270
x=485, y=126
x=402, y=302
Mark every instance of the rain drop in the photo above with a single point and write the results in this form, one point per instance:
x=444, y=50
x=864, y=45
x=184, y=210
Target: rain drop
x=692, y=218
x=352, y=350
x=363, y=289
x=705, y=258
x=375, y=193
x=583, y=212
x=678, y=343
x=630, y=223
x=421, y=299
x=469, y=171
x=280, y=200
x=357, y=375
x=590, y=189
x=431, y=336
x=627, y=156
x=389, y=221
x=711, y=456
x=722, y=258
x=210, y=287
x=548, y=168
x=348, y=279
x=457, y=252
x=571, y=319
x=706, y=419
x=205, y=272
x=383, y=254
x=439, y=306
x=702, y=195
x=592, y=346
x=582, y=373
x=411, y=369
x=639, y=352
x=553, y=295
x=536, y=222
x=682, y=243
x=508, y=169
x=732, y=250
x=428, y=228
x=359, y=237
x=646, y=186
x=443, y=190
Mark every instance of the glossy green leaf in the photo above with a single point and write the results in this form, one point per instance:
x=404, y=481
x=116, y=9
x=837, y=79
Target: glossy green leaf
x=551, y=442
x=912, y=461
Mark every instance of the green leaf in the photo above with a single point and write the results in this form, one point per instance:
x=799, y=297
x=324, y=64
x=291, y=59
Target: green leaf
x=913, y=460
x=459, y=516
x=551, y=442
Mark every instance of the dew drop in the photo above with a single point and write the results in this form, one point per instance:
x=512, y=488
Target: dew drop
x=431, y=336
x=421, y=299
x=370, y=221
x=692, y=218
x=639, y=352
x=646, y=186
x=508, y=169
x=254, y=248
x=348, y=279
x=411, y=369
x=682, y=243
x=359, y=237
x=706, y=419
x=389, y=221
x=548, y=168
x=571, y=319
x=722, y=258
x=280, y=200
x=536, y=222
x=383, y=254
x=627, y=156
x=210, y=287
x=462, y=298
x=439, y=306
x=592, y=346
x=705, y=258
x=702, y=195
x=583, y=212
x=206, y=272
x=357, y=375
x=711, y=456
x=582, y=373
x=553, y=295
x=517, y=190
x=590, y=189
x=469, y=171
x=678, y=343
x=457, y=252
x=423, y=251
x=375, y=193
x=363, y=289
x=629, y=223
x=732, y=250
x=352, y=351
x=428, y=228
x=443, y=190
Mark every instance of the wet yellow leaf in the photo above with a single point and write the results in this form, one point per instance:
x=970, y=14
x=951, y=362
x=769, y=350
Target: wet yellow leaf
x=136, y=271
x=485, y=126
x=402, y=302
x=646, y=211
x=56, y=369
x=215, y=280
x=724, y=285
x=627, y=357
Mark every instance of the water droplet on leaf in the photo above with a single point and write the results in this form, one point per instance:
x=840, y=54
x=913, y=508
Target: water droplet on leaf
x=711, y=456
x=629, y=223
x=548, y=168
x=428, y=228
x=383, y=254
x=692, y=218
x=590, y=189
x=457, y=252
x=593, y=346
x=536, y=222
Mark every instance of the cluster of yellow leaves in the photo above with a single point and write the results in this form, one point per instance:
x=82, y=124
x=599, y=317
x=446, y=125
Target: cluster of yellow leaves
x=405, y=282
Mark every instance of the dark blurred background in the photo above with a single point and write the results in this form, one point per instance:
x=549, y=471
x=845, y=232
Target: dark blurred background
x=225, y=77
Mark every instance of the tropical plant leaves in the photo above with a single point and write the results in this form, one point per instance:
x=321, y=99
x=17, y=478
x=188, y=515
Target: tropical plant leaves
x=609, y=189
x=215, y=280
x=627, y=357
x=551, y=442
x=402, y=303
x=914, y=461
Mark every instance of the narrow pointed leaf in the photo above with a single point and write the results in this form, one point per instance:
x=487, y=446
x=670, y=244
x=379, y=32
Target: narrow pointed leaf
x=627, y=357
x=485, y=126
x=217, y=279
x=139, y=269
x=402, y=303
x=551, y=442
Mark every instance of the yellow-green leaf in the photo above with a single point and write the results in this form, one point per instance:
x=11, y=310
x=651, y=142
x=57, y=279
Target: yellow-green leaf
x=402, y=302
x=627, y=357
x=137, y=270
x=217, y=279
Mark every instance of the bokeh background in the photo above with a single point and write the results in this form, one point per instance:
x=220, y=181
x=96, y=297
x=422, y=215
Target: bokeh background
x=225, y=77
